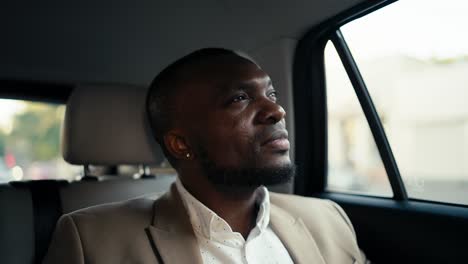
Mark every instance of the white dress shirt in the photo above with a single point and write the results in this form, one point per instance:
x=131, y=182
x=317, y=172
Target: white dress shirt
x=219, y=244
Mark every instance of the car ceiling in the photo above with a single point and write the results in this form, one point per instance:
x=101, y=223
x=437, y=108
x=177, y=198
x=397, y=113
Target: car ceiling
x=130, y=41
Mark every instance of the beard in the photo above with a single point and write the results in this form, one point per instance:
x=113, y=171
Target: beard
x=247, y=177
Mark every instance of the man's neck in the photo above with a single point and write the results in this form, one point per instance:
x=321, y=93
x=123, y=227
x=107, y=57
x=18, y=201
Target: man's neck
x=238, y=209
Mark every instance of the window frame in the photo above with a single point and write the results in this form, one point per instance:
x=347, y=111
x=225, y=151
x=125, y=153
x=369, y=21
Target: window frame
x=311, y=108
x=372, y=117
x=309, y=90
x=35, y=91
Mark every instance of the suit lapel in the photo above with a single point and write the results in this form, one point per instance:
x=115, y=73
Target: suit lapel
x=171, y=232
x=295, y=237
x=173, y=239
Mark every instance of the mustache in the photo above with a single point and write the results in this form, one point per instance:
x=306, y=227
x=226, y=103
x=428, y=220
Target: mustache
x=272, y=132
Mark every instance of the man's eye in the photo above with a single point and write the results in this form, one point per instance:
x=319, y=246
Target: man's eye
x=273, y=94
x=239, y=98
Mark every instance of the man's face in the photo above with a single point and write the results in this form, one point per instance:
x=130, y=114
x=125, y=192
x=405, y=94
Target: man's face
x=236, y=127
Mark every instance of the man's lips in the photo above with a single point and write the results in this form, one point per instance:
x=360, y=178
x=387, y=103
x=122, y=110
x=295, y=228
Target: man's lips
x=277, y=140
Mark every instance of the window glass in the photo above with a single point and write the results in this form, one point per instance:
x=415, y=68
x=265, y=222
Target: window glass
x=354, y=163
x=30, y=146
x=413, y=56
x=30, y=142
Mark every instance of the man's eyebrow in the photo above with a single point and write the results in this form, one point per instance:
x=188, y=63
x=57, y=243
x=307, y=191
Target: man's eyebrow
x=242, y=86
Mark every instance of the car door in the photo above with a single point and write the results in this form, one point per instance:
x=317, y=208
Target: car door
x=379, y=107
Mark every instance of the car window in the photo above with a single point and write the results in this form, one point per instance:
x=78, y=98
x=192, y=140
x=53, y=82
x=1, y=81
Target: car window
x=30, y=142
x=354, y=163
x=416, y=73
x=30, y=146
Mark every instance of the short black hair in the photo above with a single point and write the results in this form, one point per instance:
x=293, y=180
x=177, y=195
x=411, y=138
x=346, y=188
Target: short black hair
x=162, y=92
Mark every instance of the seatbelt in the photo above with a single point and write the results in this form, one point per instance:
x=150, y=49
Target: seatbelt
x=47, y=209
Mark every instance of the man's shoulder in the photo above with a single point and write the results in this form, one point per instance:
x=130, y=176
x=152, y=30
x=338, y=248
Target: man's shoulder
x=326, y=221
x=104, y=233
x=313, y=210
x=296, y=201
x=137, y=211
x=135, y=205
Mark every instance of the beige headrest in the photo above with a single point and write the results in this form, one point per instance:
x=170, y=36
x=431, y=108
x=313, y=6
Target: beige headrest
x=107, y=125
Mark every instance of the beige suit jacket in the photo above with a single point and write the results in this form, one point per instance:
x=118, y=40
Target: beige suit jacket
x=149, y=231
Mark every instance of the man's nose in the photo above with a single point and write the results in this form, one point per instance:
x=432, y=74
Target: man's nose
x=270, y=112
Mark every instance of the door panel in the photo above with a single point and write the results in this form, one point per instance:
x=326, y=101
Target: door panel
x=392, y=231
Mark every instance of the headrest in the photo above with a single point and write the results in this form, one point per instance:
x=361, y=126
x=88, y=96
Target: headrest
x=108, y=125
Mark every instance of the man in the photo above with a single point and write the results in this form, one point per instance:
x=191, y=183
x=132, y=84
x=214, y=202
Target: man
x=216, y=116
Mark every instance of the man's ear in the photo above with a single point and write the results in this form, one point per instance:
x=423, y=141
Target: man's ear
x=177, y=145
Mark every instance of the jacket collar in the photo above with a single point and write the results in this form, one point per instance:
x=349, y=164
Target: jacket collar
x=174, y=240
x=171, y=232
x=203, y=219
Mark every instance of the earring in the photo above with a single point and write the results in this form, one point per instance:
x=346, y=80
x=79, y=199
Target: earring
x=187, y=155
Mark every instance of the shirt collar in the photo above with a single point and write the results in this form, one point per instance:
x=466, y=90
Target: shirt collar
x=207, y=223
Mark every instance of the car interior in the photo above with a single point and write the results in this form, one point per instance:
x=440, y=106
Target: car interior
x=95, y=61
